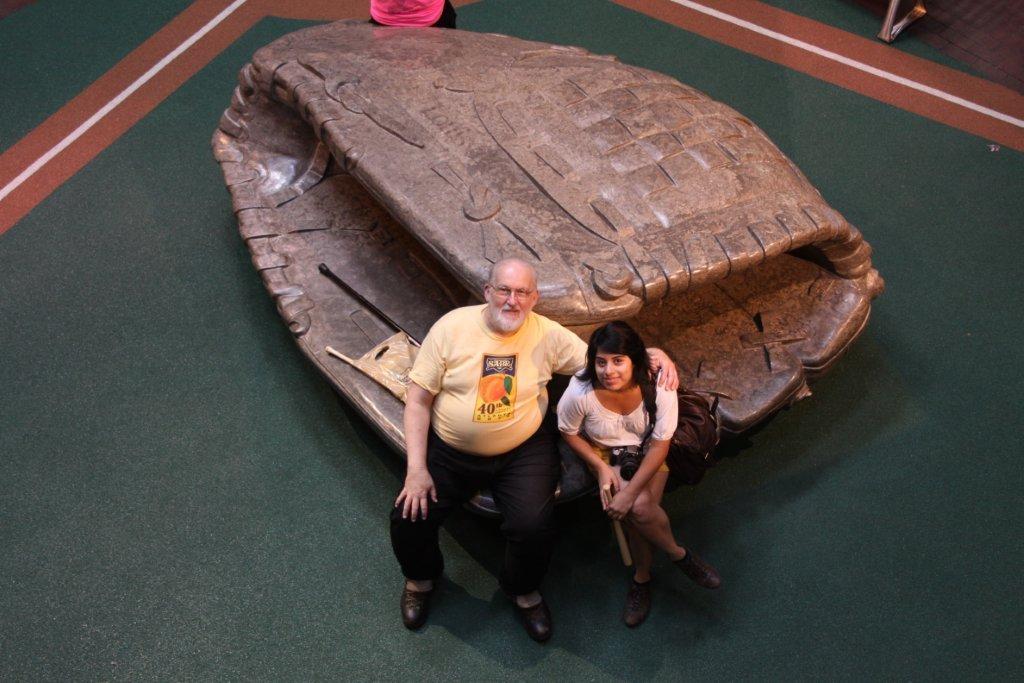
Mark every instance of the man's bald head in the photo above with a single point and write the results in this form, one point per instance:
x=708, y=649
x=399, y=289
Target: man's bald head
x=512, y=267
x=510, y=293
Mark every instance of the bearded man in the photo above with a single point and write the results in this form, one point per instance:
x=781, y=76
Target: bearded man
x=474, y=418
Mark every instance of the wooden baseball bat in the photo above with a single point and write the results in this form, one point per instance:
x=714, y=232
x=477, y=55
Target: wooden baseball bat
x=620, y=535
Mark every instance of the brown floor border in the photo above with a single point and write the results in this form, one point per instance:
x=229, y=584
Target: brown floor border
x=23, y=199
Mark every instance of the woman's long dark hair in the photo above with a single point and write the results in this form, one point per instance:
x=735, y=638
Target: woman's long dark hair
x=619, y=338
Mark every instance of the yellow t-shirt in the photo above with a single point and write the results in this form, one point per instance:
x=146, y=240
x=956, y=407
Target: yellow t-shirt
x=490, y=391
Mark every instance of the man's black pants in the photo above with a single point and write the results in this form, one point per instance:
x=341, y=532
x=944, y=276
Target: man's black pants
x=523, y=483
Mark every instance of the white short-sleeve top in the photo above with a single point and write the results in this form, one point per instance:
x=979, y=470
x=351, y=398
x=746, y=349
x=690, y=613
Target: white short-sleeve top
x=579, y=410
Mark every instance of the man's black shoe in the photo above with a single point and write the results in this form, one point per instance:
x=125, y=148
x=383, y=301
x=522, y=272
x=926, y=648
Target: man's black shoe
x=415, y=607
x=536, y=620
x=699, y=571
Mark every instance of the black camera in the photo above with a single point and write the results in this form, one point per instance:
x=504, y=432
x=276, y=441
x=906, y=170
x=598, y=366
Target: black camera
x=628, y=459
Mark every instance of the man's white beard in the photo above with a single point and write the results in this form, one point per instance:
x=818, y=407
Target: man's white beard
x=506, y=322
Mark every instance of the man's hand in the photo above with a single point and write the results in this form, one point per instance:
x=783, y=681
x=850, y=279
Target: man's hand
x=414, y=496
x=659, y=360
x=419, y=486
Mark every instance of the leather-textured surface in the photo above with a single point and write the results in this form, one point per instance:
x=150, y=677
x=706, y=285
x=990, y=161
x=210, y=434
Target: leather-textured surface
x=410, y=160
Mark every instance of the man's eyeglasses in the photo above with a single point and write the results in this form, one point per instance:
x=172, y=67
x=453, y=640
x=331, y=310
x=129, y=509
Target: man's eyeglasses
x=506, y=292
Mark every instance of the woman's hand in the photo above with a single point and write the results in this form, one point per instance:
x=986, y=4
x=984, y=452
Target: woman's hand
x=622, y=503
x=607, y=480
x=418, y=488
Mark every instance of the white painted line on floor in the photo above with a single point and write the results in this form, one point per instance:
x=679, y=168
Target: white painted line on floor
x=853, y=63
x=121, y=97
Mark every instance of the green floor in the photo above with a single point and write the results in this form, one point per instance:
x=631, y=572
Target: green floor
x=183, y=497
x=50, y=50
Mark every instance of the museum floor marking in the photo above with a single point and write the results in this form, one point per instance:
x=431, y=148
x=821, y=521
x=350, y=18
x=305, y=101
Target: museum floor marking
x=852, y=63
x=84, y=128
x=121, y=97
x=771, y=21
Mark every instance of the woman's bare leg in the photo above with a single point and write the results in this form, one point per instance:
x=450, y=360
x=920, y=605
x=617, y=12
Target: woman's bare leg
x=642, y=556
x=649, y=519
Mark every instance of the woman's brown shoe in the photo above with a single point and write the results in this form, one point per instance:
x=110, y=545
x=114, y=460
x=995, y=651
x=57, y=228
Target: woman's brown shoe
x=699, y=571
x=638, y=603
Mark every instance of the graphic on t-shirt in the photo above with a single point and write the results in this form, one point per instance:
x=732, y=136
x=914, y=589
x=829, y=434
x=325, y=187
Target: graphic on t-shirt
x=496, y=393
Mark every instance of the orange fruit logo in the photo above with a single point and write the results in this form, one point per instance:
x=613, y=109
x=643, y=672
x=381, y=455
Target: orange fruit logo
x=496, y=392
x=494, y=387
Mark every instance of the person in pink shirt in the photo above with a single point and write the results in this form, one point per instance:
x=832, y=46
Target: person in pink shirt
x=439, y=13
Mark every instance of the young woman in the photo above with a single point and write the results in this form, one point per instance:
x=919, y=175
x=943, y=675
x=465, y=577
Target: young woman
x=601, y=416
